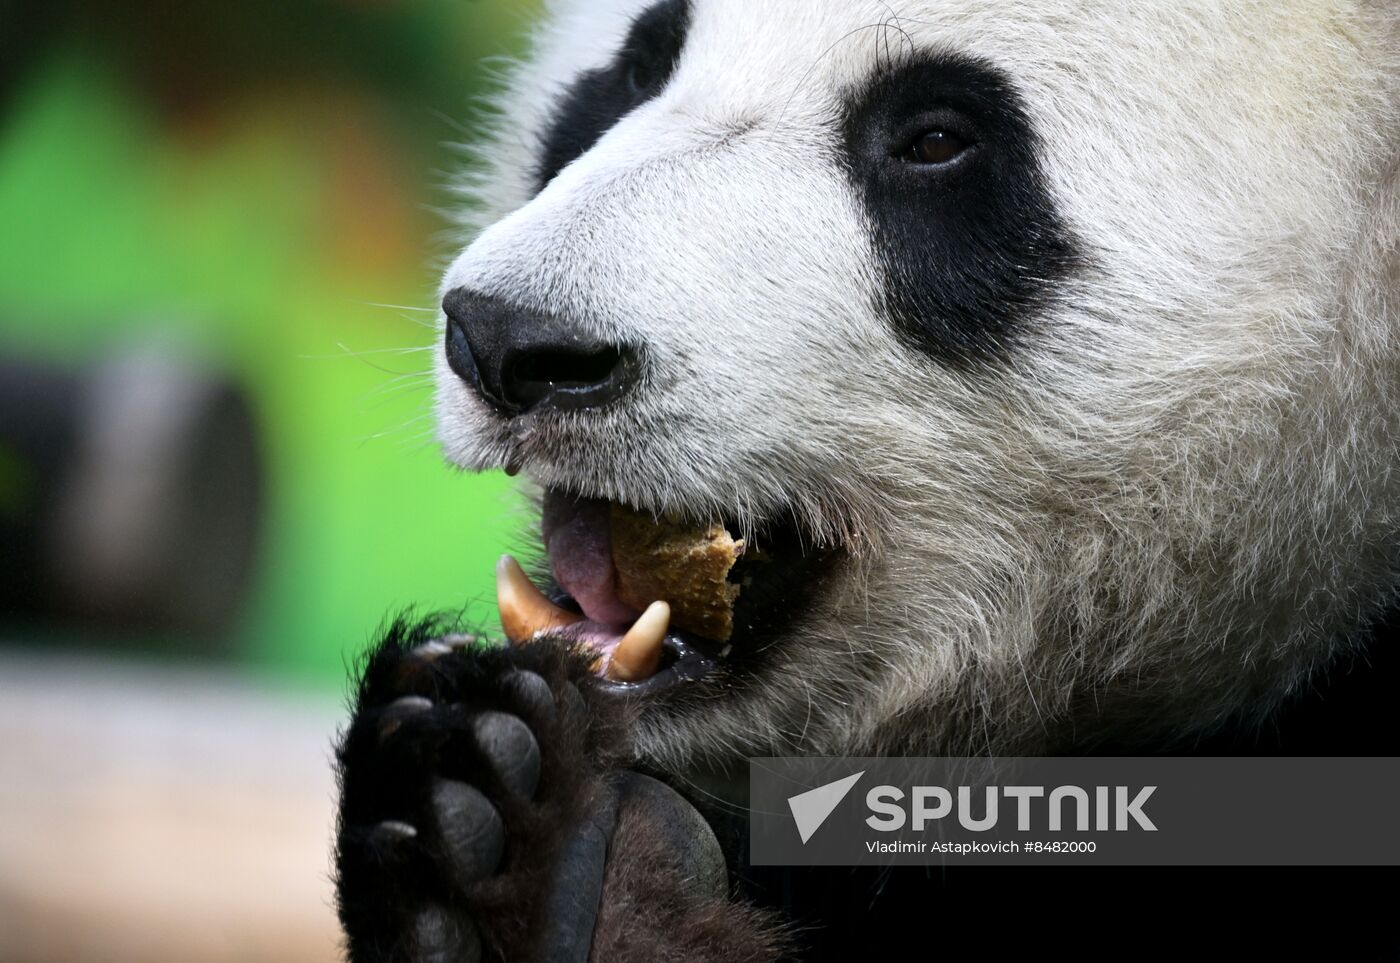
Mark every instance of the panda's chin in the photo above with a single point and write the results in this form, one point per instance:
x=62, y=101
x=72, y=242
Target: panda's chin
x=748, y=594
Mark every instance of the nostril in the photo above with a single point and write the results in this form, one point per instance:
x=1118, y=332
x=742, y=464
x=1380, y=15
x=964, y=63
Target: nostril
x=519, y=359
x=459, y=353
x=567, y=378
x=566, y=367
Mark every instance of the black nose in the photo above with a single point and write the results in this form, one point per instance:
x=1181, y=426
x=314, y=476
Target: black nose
x=521, y=360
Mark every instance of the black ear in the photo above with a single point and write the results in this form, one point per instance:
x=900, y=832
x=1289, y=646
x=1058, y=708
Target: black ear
x=600, y=98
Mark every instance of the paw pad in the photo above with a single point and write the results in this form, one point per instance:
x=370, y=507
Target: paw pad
x=511, y=749
x=471, y=830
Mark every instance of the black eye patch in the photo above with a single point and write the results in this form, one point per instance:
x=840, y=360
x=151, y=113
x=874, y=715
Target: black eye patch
x=968, y=239
x=598, y=99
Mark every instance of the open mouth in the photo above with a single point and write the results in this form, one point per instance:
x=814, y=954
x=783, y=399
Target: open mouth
x=660, y=601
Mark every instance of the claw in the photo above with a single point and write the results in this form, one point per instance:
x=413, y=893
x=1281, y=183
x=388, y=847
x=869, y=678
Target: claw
x=432, y=650
x=391, y=832
x=396, y=712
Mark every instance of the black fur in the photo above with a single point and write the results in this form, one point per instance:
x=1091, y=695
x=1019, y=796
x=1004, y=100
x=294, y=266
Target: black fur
x=392, y=763
x=600, y=98
x=971, y=250
x=485, y=815
x=569, y=812
x=1155, y=912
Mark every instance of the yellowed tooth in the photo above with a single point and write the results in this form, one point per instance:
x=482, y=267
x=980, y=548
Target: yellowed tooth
x=639, y=653
x=525, y=612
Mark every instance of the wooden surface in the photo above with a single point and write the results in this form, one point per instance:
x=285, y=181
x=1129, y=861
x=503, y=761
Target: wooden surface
x=154, y=814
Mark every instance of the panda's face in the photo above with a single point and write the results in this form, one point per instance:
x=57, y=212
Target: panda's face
x=968, y=313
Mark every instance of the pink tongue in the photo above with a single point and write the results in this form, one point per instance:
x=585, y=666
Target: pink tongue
x=578, y=537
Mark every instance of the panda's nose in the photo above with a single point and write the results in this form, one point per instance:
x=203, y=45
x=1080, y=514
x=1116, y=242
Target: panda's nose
x=521, y=360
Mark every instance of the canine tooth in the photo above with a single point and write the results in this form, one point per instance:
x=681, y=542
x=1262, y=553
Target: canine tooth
x=639, y=653
x=525, y=612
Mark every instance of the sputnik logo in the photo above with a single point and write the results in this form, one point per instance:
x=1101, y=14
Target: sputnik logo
x=811, y=808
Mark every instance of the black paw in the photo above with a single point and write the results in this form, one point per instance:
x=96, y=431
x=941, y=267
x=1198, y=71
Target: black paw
x=475, y=811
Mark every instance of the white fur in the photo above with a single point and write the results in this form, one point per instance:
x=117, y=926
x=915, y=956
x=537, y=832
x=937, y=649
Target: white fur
x=1165, y=509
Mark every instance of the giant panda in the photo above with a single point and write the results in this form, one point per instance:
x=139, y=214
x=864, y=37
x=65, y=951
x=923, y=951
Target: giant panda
x=1052, y=350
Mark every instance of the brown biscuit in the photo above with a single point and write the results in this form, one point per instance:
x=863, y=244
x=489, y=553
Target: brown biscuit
x=684, y=565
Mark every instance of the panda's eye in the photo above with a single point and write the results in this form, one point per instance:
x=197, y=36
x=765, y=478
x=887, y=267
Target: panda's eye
x=640, y=78
x=936, y=147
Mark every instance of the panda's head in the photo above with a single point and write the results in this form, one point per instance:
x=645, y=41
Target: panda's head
x=1046, y=347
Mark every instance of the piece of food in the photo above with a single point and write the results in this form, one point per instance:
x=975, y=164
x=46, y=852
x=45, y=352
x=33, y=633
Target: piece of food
x=684, y=565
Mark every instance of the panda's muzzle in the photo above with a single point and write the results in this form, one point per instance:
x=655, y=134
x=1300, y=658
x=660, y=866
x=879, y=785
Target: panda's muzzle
x=659, y=601
x=520, y=360
x=723, y=600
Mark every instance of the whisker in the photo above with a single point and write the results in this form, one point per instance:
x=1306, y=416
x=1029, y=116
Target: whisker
x=396, y=307
x=345, y=352
x=396, y=385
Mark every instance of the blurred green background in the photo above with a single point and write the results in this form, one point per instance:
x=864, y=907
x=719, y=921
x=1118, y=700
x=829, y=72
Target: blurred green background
x=221, y=227
x=259, y=185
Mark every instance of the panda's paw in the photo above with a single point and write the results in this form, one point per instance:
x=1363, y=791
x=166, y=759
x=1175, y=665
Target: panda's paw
x=479, y=793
